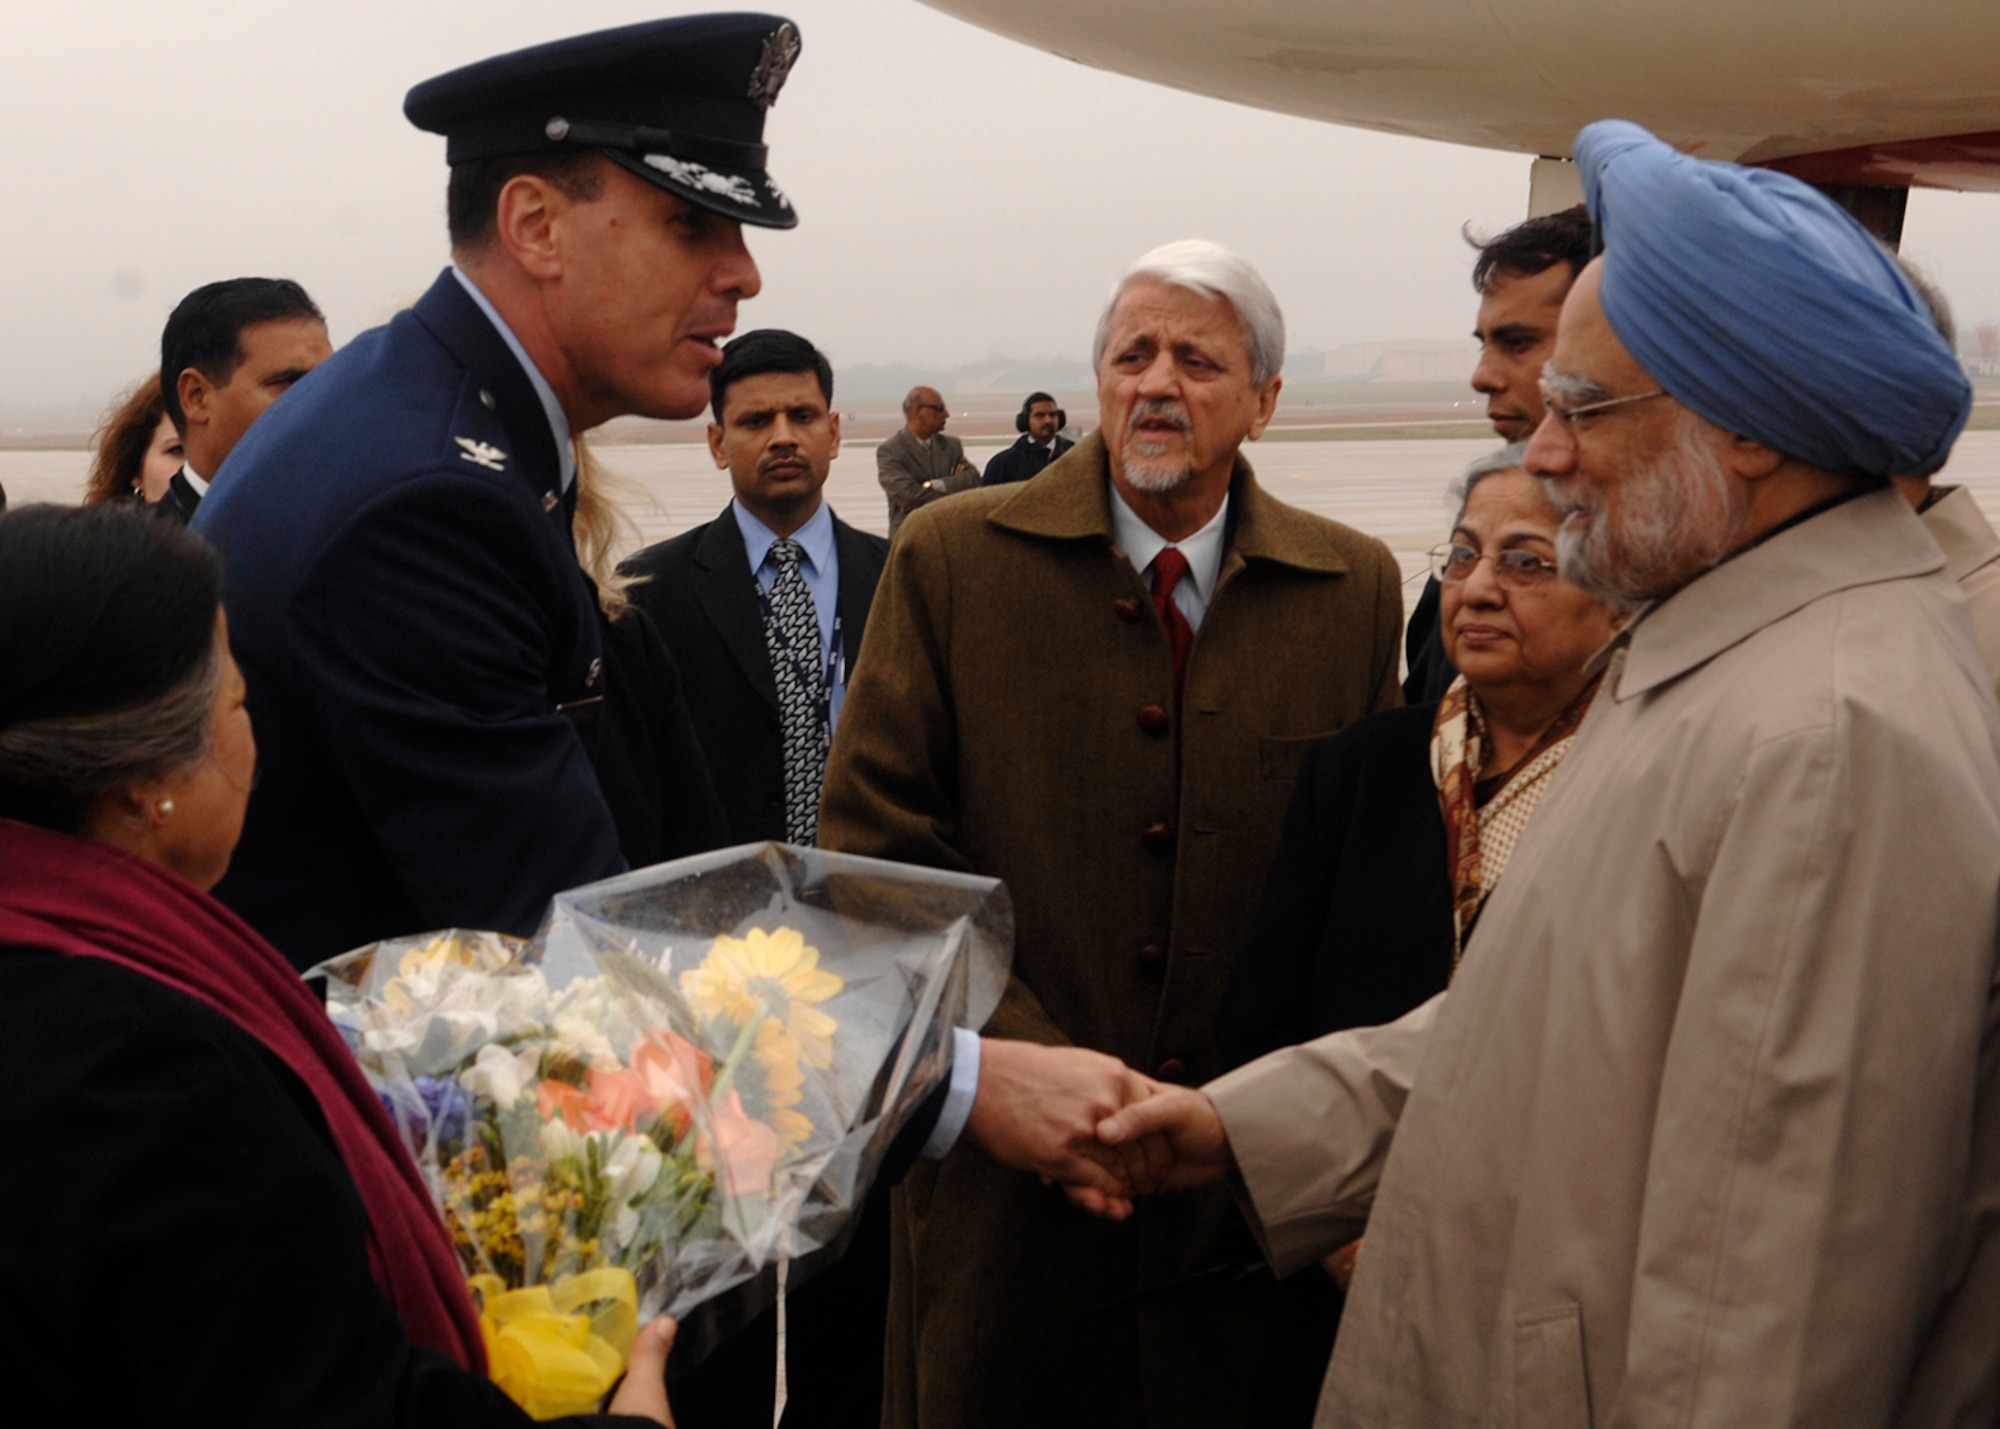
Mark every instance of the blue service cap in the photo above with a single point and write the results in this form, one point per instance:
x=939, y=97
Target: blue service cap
x=680, y=103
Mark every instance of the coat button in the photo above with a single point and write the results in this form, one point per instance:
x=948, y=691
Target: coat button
x=1154, y=719
x=1128, y=610
x=486, y=400
x=1158, y=835
x=1171, y=1070
x=1152, y=955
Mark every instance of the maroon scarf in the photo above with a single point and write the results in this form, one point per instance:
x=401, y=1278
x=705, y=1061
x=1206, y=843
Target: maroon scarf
x=85, y=899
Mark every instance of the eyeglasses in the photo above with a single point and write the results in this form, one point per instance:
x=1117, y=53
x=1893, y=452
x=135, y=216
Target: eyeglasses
x=1567, y=417
x=1515, y=570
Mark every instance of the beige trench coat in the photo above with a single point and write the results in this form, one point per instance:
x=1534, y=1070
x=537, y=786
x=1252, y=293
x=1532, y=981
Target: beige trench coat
x=1972, y=558
x=1703, y=1131
x=1009, y=715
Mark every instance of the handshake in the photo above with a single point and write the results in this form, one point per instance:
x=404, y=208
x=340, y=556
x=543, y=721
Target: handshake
x=1089, y=1123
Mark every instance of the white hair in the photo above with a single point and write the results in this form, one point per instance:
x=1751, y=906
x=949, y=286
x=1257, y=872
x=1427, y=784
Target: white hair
x=1213, y=271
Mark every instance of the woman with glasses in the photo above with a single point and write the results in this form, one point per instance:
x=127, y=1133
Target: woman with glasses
x=1403, y=823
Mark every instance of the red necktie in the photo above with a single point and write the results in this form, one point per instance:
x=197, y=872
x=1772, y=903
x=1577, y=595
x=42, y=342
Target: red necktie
x=1168, y=568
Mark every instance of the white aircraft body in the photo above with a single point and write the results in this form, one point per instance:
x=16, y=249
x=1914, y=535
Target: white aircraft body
x=1868, y=93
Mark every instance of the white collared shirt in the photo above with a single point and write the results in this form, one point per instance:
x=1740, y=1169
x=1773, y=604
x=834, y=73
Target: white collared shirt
x=558, y=419
x=1142, y=544
x=199, y=483
x=820, y=566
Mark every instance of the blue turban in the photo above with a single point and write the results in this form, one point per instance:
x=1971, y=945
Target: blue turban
x=1763, y=307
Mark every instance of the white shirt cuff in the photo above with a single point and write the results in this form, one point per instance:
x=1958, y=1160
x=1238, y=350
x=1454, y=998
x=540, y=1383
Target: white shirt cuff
x=958, y=1101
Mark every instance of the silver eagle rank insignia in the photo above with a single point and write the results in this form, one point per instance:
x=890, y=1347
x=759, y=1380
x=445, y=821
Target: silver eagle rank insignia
x=781, y=52
x=482, y=454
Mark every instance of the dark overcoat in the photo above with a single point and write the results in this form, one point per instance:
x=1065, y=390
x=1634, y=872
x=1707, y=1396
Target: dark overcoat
x=1355, y=930
x=404, y=597
x=1013, y=716
x=700, y=591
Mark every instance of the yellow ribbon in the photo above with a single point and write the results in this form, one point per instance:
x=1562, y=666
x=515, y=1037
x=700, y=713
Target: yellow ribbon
x=549, y=1355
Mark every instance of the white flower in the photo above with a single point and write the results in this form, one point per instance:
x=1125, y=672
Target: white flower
x=624, y=1226
x=499, y=1075
x=577, y=1040
x=632, y=1168
x=559, y=1141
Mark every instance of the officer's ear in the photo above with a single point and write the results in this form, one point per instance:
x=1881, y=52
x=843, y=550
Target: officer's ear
x=524, y=224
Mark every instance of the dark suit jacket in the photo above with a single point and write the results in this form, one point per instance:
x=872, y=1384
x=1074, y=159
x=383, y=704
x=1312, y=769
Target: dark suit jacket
x=1355, y=926
x=420, y=645
x=1024, y=459
x=649, y=759
x=1354, y=930
x=1430, y=671
x=180, y=501
x=699, y=593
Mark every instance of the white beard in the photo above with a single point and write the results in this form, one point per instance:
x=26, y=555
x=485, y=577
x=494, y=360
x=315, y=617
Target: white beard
x=1677, y=516
x=1155, y=470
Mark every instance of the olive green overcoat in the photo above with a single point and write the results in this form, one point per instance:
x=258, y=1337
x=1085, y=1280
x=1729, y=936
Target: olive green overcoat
x=1013, y=714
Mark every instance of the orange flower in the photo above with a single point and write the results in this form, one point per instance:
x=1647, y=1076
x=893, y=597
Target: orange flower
x=668, y=1077
x=746, y=1148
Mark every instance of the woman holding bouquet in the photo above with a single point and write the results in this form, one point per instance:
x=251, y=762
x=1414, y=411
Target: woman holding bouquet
x=206, y=1200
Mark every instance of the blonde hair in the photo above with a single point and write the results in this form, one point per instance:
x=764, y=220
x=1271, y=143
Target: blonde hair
x=603, y=529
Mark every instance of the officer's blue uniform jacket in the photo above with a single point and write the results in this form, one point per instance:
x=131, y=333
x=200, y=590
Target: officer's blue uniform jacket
x=421, y=649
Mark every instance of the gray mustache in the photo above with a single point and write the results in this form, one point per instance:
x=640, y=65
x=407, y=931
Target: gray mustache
x=1158, y=408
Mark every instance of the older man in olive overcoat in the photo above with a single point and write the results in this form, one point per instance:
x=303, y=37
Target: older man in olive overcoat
x=1016, y=713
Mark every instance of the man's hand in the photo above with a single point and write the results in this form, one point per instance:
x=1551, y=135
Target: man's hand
x=1037, y=1109
x=1170, y=1142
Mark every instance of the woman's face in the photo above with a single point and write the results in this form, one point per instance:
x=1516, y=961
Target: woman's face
x=163, y=458
x=197, y=838
x=1526, y=639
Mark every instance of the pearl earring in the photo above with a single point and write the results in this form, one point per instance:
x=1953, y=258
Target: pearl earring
x=165, y=806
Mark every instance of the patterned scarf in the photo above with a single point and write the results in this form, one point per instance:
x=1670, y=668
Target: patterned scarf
x=1484, y=817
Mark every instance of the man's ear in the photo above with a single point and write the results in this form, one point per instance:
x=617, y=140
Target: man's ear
x=194, y=390
x=1267, y=403
x=715, y=447
x=833, y=430
x=1751, y=460
x=527, y=221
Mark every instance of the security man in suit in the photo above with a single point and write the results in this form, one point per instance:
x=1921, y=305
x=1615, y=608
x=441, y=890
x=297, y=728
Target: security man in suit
x=764, y=607
x=229, y=350
x=918, y=463
x=1040, y=422
x=422, y=650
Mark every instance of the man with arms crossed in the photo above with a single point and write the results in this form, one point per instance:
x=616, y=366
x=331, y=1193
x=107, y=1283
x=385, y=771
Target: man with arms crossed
x=1705, y=1131
x=919, y=463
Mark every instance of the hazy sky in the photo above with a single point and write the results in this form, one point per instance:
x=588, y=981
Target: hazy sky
x=961, y=195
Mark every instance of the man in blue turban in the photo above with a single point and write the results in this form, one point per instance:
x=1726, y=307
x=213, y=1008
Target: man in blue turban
x=1707, y=1129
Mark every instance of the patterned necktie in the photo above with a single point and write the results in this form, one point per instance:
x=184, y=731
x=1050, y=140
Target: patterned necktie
x=791, y=633
x=1168, y=568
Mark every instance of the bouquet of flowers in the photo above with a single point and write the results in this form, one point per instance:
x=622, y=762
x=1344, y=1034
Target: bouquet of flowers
x=689, y=1075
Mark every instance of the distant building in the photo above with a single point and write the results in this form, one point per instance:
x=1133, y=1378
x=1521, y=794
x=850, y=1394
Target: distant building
x=1403, y=361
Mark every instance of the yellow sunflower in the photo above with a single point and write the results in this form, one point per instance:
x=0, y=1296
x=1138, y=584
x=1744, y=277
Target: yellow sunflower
x=771, y=973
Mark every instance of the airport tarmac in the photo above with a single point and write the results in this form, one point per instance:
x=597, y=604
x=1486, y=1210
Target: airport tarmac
x=1391, y=489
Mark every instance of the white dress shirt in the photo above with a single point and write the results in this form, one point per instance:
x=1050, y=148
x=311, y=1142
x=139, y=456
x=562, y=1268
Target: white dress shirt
x=1142, y=544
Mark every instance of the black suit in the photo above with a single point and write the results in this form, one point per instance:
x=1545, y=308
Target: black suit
x=1355, y=929
x=180, y=500
x=1430, y=669
x=1025, y=459
x=700, y=592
